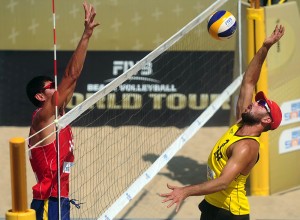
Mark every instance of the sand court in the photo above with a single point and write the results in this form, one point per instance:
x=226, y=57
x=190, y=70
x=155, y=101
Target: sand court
x=188, y=166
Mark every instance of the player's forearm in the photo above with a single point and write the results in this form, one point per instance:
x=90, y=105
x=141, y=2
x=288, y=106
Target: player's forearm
x=77, y=60
x=205, y=188
x=250, y=79
x=72, y=72
x=253, y=71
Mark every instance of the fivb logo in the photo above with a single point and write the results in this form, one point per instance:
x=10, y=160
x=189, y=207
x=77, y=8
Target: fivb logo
x=121, y=66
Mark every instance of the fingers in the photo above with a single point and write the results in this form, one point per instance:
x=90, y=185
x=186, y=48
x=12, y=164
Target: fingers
x=279, y=30
x=171, y=187
x=173, y=201
x=89, y=11
x=171, y=204
x=85, y=9
x=90, y=14
x=173, y=197
x=165, y=194
x=167, y=199
x=92, y=20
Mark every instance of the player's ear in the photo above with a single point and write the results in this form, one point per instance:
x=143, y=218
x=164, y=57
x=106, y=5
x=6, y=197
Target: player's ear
x=40, y=97
x=267, y=119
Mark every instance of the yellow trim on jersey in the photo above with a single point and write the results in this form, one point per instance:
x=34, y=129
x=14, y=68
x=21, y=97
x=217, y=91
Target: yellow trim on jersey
x=234, y=197
x=46, y=208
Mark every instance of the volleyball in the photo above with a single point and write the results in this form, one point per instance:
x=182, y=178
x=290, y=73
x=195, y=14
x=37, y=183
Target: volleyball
x=221, y=25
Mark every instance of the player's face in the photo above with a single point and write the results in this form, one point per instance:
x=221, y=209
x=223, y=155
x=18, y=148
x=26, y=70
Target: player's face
x=48, y=88
x=249, y=118
x=255, y=112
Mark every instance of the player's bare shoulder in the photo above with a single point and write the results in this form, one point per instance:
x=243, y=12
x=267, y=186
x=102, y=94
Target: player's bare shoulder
x=247, y=148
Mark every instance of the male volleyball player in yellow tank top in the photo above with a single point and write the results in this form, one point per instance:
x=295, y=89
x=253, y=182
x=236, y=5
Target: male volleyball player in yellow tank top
x=237, y=151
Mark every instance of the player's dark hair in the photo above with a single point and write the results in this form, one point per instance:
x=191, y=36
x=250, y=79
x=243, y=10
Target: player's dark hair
x=35, y=86
x=267, y=128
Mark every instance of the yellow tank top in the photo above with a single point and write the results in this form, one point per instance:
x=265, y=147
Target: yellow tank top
x=234, y=197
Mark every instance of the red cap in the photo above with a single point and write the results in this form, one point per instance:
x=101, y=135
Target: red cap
x=275, y=111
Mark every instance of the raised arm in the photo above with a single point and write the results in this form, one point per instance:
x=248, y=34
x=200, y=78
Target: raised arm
x=74, y=68
x=253, y=70
x=75, y=65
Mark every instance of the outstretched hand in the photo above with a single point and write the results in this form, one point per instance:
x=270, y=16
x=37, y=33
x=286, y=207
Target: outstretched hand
x=89, y=22
x=177, y=196
x=275, y=36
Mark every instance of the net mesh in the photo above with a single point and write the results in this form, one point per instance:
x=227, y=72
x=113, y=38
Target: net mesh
x=121, y=130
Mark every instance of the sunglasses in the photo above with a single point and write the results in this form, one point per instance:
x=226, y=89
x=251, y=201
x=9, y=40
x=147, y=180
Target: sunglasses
x=264, y=104
x=48, y=86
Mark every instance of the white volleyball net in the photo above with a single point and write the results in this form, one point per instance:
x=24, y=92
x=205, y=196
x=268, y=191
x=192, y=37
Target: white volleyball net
x=186, y=82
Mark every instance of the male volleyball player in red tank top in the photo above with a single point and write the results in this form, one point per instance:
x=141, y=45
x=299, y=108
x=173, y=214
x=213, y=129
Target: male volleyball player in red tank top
x=41, y=92
x=237, y=151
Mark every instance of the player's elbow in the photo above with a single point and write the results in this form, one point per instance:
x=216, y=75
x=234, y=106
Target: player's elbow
x=223, y=184
x=74, y=74
x=70, y=77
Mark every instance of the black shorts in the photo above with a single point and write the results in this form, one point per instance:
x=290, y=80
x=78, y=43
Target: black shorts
x=210, y=212
x=48, y=209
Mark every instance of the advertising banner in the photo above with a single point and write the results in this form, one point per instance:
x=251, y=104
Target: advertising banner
x=176, y=88
x=283, y=80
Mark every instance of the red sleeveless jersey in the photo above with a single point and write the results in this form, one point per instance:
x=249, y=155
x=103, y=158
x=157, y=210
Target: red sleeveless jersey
x=43, y=161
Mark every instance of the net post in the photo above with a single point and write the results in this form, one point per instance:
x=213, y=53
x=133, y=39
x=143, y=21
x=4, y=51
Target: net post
x=260, y=174
x=18, y=182
x=259, y=178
